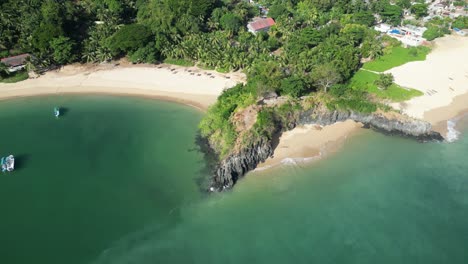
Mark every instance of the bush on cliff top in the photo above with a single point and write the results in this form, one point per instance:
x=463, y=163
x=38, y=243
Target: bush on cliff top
x=217, y=125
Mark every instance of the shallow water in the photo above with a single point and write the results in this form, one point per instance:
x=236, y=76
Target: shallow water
x=379, y=200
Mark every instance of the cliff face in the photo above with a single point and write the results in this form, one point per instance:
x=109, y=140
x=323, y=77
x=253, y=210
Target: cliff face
x=399, y=125
x=237, y=164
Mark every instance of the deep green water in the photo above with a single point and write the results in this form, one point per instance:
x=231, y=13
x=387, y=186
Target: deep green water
x=114, y=182
x=109, y=167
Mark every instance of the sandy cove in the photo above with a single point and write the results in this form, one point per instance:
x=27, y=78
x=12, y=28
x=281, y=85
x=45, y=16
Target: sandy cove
x=188, y=85
x=309, y=142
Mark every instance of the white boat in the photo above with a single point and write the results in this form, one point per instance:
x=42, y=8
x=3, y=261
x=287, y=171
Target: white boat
x=57, y=111
x=8, y=163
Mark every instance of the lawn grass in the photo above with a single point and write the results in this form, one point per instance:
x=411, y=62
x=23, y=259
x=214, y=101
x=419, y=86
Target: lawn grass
x=395, y=57
x=16, y=77
x=179, y=62
x=364, y=80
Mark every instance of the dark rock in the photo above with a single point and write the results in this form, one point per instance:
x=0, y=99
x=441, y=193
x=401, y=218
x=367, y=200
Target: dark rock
x=238, y=164
x=407, y=127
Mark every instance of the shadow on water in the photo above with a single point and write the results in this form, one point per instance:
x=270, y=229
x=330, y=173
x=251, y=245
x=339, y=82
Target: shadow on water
x=210, y=161
x=21, y=161
x=64, y=110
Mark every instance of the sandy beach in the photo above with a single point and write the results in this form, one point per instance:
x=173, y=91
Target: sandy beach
x=189, y=85
x=310, y=142
x=442, y=77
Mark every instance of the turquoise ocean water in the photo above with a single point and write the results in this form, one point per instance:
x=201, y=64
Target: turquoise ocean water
x=114, y=181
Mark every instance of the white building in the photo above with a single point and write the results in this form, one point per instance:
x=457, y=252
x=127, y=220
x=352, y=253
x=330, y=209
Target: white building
x=384, y=28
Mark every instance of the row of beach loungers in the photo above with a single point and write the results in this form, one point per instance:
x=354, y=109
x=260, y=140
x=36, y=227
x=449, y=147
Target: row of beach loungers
x=193, y=72
x=431, y=92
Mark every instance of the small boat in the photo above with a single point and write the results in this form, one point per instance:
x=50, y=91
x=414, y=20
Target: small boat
x=57, y=111
x=7, y=163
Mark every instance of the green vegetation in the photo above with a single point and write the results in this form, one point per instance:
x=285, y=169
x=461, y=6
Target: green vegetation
x=391, y=14
x=438, y=27
x=14, y=77
x=397, y=56
x=434, y=32
x=217, y=123
x=384, y=81
x=419, y=10
x=222, y=70
x=180, y=62
x=460, y=22
x=366, y=81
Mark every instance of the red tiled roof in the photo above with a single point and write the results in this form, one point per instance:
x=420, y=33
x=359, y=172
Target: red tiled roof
x=15, y=60
x=262, y=24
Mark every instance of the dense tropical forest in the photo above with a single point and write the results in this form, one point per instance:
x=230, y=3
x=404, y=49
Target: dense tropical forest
x=314, y=50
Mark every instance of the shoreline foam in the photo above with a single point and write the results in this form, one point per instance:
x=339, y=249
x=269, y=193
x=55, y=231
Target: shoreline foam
x=309, y=143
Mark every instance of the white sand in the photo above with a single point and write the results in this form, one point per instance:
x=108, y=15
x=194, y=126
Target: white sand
x=142, y=80
x=306, y=142
x=442, y=76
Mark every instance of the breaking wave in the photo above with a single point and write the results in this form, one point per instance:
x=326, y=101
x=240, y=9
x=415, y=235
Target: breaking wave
x=452, y=133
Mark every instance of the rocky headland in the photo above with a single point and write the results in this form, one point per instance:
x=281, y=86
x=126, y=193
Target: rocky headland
x=231, y=168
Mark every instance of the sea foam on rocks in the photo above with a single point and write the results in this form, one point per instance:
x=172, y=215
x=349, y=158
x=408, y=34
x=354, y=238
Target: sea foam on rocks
x=452, y=132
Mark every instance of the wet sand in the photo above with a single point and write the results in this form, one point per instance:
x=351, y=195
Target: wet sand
x=311, y=142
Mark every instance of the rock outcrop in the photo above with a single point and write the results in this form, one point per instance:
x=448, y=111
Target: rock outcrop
x=393, y=125
x=238, y=164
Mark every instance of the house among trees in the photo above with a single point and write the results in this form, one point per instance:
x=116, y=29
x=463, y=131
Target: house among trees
x=260, y=24
x=15, y=63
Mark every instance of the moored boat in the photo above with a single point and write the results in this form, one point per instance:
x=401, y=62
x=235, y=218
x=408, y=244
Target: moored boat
x=7, y=163
x=57, y=111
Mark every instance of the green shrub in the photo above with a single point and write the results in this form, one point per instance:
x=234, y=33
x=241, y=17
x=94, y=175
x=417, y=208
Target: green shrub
x=180, y=62
x=434, y=32
x=15, y=77
x=293, y=86
x=460, y=22
x=356, y=104
x=385, y=80
x=216, y=125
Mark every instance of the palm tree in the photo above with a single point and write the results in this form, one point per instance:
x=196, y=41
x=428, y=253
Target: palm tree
x=375, y=50
x=4, y=70
x=30, y=64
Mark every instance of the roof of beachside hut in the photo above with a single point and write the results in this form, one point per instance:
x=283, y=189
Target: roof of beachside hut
x=262, y=24
x=14, y=61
